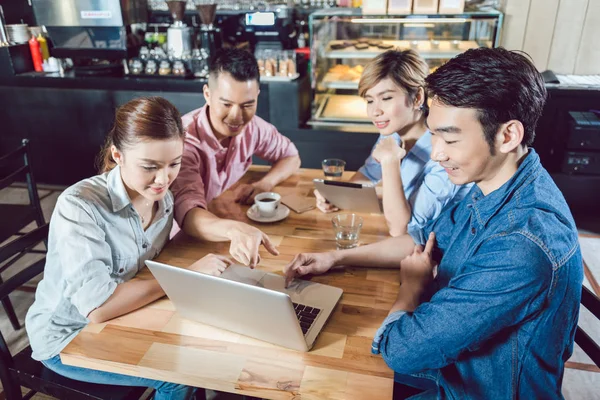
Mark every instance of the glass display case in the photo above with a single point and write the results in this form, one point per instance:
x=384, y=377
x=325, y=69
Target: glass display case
x=343, y=40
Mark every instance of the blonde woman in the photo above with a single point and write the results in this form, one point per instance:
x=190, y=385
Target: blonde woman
x=415, y=188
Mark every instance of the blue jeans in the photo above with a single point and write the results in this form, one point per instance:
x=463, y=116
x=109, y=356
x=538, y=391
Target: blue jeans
x=424, y=382
x=164, y=390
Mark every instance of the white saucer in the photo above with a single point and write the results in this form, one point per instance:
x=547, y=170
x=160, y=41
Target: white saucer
x=282, y=213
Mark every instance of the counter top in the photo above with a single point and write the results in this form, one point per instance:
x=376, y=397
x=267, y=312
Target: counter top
x=129, y=82
x=70, y=81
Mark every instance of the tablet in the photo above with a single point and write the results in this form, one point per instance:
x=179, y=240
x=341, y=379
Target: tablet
x=349, y=196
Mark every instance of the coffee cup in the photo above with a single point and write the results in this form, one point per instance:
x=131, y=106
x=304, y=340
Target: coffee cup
x=267, y=203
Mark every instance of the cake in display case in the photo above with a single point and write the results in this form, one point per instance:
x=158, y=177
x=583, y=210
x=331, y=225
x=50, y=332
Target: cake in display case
x=343, y=40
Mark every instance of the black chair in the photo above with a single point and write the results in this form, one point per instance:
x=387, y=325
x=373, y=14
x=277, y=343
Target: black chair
x=22, y=370
x=590, y=301
x=15, y=217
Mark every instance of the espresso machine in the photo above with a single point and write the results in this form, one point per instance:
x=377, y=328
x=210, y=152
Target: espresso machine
x=97, y=35
x=179, y=35
x=209, y=37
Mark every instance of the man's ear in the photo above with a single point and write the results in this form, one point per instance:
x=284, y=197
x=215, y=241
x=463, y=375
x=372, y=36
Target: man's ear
x=206, y=92
x=510, y=136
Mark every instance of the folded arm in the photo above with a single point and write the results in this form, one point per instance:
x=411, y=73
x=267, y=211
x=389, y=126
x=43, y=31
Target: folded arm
x=496, y=290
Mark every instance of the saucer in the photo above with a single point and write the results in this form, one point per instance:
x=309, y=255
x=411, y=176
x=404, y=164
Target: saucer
x=282, y=213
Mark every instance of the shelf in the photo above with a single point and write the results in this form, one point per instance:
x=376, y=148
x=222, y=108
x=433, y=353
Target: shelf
x=279, y=78
x=342, y=108
x=424, y=47
x=340, y=85
x=330, y=83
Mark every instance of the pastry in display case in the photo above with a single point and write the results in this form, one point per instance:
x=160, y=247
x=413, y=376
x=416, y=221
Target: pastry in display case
x=343, y=40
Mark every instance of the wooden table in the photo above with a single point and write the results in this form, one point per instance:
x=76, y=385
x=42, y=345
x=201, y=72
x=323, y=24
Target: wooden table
x=155, y=342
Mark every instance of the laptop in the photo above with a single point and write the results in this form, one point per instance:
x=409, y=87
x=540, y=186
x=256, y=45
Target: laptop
x=251, y=302
x=350, y=196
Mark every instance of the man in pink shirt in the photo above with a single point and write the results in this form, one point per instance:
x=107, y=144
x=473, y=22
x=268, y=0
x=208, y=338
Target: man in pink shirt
x=221, y=139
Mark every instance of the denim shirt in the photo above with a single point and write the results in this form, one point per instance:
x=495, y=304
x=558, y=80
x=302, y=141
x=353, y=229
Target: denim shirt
x=426, y=184
x=502, y=319
x=96, y=242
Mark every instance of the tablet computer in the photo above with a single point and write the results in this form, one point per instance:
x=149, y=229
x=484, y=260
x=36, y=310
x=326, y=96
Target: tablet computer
x=349, y=196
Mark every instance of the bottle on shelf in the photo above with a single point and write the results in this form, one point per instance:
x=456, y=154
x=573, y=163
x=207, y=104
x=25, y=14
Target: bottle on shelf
x=43, y=46
x=36, y=54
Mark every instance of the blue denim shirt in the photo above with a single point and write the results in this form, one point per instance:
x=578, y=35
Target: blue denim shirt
x=502, y=319
x=425, y=182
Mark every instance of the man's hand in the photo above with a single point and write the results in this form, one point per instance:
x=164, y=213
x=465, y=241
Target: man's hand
x=246, y=192
x=417, y=269
x=245, y=242
x=323, y=204
x=416, y=273
x=308, y=263
x=211, y=264
x=387, y=150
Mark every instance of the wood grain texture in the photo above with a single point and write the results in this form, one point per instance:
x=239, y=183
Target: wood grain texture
x=516, y=14
x=155, y=342
x=588, y=57
x=540, y=31
x=567, y=36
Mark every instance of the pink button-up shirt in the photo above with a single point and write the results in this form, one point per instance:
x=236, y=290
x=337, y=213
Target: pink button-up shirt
x=208, y=168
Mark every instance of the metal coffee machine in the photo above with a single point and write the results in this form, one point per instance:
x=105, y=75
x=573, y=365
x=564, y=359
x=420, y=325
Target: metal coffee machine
x=210, y=37
x=96, y=34
x=179, y=35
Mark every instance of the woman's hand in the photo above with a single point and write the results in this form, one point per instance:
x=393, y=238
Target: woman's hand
x=387, y=150
x=211, y=264
x=323, y=204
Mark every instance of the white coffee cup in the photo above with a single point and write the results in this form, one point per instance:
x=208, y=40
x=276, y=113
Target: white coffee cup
x=267, y=203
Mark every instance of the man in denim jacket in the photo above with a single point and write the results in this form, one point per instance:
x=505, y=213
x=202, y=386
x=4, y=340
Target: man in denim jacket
x=488, y=309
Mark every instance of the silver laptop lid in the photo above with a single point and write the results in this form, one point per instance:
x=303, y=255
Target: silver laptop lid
x=249, y=302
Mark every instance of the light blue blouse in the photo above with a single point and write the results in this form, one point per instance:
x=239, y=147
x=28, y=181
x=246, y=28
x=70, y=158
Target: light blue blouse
x=427, y=186
x=96, y=242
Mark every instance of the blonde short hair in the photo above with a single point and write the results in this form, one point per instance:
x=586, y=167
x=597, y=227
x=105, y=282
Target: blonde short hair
x=405, y=68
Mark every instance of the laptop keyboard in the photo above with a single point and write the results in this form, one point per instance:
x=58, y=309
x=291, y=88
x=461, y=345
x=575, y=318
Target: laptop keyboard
x=306, y=316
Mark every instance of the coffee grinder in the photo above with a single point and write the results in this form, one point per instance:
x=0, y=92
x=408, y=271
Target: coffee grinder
x=179, y=35
x=210, y=36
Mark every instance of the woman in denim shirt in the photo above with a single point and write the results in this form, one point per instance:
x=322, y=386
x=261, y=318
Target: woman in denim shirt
x=415, y=189
x=102, y=231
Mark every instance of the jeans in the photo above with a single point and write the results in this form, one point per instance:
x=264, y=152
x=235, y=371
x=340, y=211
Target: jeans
x=164, y=390
x=415, y=387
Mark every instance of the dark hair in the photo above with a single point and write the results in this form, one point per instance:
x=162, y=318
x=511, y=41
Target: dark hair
x=144, y=118
x=502, y=85
x=407, y=69
x=241, y=64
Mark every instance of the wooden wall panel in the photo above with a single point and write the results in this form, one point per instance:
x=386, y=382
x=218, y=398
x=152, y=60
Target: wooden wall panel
x=540, y=30
x=588, y=58
x=561, y=35
x=567, y=36
x=516, y=13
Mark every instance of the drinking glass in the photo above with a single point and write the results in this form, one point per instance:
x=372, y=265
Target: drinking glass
x=333, y=168
x=347, y=230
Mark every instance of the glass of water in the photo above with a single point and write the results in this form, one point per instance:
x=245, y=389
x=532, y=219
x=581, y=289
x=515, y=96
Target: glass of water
x=333, y=168
x=347, y=230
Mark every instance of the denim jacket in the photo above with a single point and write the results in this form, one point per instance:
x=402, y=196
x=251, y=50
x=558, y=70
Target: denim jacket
x=502, y=318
